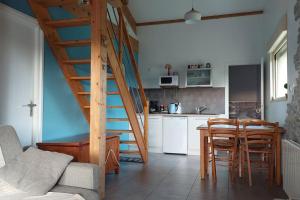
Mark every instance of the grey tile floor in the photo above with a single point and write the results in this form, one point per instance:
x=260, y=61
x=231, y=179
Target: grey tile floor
x=175, y=177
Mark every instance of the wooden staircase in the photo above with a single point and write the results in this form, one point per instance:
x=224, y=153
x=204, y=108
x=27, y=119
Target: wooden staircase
x=114, y=58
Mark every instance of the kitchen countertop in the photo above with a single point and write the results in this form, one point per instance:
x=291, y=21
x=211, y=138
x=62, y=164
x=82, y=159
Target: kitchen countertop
x=183, y=114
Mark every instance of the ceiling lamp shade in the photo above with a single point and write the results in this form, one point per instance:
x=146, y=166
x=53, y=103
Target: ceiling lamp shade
x=192, y=17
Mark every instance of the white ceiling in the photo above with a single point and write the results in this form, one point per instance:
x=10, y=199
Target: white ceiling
x=151, y=10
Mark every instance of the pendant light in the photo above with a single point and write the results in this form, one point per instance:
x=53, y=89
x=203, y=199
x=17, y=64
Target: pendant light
x=193, y=16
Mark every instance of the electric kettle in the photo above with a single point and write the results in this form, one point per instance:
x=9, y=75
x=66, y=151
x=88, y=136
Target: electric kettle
x=175, y=108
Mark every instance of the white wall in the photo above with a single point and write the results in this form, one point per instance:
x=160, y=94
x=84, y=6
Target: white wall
x=274, y=11
x=221, y=42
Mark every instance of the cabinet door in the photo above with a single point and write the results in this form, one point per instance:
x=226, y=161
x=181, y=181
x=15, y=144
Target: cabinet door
x=155, y=134
x=194, y=134
x=175, y=135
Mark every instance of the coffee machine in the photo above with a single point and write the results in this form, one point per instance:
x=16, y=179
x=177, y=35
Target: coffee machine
x=154, y=107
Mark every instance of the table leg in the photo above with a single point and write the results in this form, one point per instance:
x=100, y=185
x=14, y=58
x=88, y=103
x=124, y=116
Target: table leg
x=202, y=156
x=206, y=149
x=278, y=159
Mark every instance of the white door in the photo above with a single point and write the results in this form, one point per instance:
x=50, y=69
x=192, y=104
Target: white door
x=19, y=60
x=175, y=135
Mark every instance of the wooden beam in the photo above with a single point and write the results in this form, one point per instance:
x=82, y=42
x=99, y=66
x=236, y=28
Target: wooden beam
x=115, y=3
x=204, y=18
x=98, y=89
x=129, y=17
x=146, y=127
x=121, y=27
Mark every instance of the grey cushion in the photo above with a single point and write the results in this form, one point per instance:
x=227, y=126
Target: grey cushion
x=82, y=175
x=85, y=193
x=35, y=171
x=10, y=143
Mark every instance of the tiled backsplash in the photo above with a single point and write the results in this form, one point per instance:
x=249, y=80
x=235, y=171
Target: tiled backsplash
x=213, y=98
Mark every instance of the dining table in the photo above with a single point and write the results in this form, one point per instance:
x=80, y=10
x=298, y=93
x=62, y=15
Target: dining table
x=204, y=148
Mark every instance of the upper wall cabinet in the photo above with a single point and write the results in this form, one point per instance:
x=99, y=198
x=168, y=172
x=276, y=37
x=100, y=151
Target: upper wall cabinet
x=199, y=77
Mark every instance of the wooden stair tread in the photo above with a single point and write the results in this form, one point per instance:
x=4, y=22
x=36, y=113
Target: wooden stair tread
x=115, y=107
x=88, y=78
x=129, y=152
x=69, y=22
x=80, y=61
x=52, y=3
x=84, y=93
x=113, y=93
x=117, y=119
x=118, y=131
x=111, y=77
x=81, y=78
x=89, y=93
x=74, y=43
x=127, y=142
x=109, y=107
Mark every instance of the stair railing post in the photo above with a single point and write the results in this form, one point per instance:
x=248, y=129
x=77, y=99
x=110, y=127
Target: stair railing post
x=98, y=89
x=146, y=127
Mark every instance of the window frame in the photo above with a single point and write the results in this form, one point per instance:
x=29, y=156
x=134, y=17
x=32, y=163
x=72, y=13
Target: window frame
x=280, y=43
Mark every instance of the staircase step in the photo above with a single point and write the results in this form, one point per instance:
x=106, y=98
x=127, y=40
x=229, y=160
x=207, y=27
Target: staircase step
x=109, y=107
x=84, y=93
x=88, y=78
x=127, y=142
x=52, y=3
x=115, y=107
x=89, y=93
x=111, y=77
x=129, y=152
x=117, y=119
x=69, y=22
x=118, y=131
x=74, y=62
x=113, y=93
x=74, y=43
x=81, y=78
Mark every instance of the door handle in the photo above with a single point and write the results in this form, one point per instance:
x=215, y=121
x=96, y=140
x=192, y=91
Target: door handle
x=31, y=105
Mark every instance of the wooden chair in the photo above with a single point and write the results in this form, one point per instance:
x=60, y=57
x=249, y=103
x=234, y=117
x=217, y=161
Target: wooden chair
x=223, y=135
x=260, y=143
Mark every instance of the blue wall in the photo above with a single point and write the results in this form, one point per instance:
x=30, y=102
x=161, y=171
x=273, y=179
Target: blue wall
x=62, y=115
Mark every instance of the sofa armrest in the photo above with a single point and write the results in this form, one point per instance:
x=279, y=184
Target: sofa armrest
x=82, y=175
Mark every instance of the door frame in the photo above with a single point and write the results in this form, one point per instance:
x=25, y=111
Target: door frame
x=38, y=66
x=234, y=63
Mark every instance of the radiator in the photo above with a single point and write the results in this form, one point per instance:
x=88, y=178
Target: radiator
x=291, y=168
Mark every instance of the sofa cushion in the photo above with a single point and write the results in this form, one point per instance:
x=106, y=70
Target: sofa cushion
x=10, y=143
x=83, y=175
x=2, y=161
x=35, y=171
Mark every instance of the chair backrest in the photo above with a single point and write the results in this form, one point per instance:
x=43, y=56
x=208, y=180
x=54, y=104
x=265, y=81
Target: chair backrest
x=260, y=132
x=222, y=127
x=9, y=143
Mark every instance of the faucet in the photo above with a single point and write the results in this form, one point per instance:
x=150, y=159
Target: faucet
x=200, y=109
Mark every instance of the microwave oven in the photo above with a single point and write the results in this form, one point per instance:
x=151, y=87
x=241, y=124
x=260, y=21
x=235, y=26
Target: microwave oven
x=169, y=81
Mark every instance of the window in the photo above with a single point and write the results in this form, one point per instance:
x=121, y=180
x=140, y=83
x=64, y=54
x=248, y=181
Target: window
x=279, y=68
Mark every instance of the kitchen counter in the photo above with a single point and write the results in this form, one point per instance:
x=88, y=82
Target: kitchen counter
x=183, y=115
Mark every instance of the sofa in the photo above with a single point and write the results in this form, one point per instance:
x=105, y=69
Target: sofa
x=78, y=178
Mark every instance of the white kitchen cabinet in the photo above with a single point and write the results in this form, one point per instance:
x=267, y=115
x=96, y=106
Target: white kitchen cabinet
x=175, y=135
x=155, y=133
